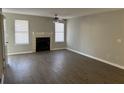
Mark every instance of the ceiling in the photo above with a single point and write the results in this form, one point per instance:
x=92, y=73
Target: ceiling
x=62, y=12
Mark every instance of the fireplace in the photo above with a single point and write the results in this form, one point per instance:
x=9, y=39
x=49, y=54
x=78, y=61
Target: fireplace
x=42, y=44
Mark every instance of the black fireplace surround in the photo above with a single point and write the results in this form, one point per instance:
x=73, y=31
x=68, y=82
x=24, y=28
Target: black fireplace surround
x=42, y=44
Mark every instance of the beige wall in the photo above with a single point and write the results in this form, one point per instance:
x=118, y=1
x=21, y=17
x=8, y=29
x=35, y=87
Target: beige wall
x=36, y=24
x=100, y=35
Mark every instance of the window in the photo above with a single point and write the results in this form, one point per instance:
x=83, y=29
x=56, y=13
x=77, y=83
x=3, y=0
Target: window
x=59, y=32
x=21, y=32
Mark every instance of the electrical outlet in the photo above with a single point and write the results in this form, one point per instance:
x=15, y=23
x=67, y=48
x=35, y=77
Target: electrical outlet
x=119, y=40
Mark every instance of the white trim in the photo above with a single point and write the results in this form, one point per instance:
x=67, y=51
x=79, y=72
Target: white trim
x=58, y=48
x=16, y=53
x=2, y=79
x=99, y=59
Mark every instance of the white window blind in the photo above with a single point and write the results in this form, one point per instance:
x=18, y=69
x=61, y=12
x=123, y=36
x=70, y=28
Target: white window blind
x=21, y=32
x=59, y=32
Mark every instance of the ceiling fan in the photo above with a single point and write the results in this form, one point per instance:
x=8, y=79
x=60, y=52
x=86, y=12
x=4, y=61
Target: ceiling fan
x=57, y=19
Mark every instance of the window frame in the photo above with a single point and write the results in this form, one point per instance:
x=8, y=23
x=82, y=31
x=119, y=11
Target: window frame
x=21, y=32
x=63, y=32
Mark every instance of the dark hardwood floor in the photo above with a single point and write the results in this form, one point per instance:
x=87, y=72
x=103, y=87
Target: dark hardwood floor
x=59, y=67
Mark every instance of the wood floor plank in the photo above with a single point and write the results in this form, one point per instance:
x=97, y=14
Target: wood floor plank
x=60, y=67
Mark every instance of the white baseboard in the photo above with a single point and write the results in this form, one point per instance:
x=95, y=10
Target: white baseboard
x=99, y=59
x=16, y=53
x=58, y=48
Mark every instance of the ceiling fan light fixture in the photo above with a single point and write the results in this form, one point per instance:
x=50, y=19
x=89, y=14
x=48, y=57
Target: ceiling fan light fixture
x=57, y=19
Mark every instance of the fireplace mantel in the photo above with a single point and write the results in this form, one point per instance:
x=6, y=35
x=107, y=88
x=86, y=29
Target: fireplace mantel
x=40, y=34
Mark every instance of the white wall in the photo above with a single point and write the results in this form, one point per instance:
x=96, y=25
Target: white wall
x=100, y=35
